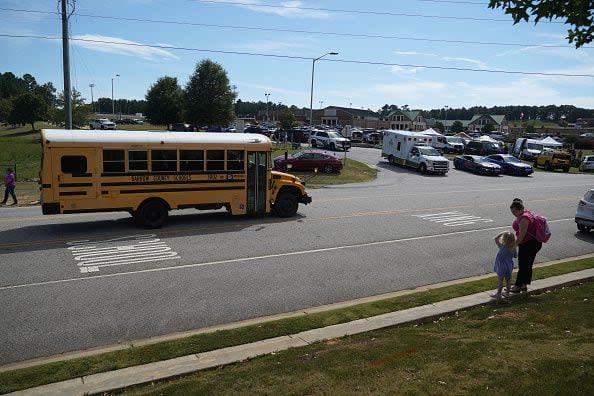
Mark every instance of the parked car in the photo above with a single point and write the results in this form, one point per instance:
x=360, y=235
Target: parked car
x=553, y=159
x=102, y=123
x=309, y=160
x=182, y=127
x=330, y=140
x=587, y=163
x=481, y=147
x=584, y=215
x=510, y=164
x=476, y=164
x=257, y=129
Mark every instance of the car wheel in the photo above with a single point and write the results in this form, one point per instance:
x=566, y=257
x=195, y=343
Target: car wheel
x=583, y=228
x=314, y=144
x=91, y=127
x=332, y=147
x=152, y=214
x=423, y=168
x=328, y=168
x=286, y=205
x=391, y=159
x=456, y=165
x=547, y=166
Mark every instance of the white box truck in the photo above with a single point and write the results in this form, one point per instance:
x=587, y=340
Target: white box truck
x=414, y=150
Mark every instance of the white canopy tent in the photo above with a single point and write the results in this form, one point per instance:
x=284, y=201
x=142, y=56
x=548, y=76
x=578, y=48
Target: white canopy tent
x=486, y=138
x=431, y=132
x=550, y=142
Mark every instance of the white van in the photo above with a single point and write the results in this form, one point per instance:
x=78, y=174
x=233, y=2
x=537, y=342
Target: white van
x=413, y=150
x=528, y=149
x=448, y=144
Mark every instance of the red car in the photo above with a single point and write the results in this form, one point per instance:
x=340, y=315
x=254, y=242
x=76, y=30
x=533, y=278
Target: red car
x=309, y=160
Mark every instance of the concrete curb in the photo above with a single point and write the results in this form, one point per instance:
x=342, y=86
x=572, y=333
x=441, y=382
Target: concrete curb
x=118, y=379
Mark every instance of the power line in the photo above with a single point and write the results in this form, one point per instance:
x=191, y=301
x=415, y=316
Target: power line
x=327, y=33
x=337, y=10
x=302, y=57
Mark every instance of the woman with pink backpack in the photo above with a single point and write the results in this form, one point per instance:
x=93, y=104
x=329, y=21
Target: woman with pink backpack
x=526, y=228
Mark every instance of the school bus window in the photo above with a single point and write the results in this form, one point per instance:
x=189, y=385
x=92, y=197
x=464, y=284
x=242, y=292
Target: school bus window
x=74, y=164
x=114, y=161
x=215, y=160
x=191, y=160
x=234, y=160
x=164, y=160
x=137, y=160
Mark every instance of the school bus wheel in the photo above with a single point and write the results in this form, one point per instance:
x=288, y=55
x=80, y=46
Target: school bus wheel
x=152, y=213
x=286, y=204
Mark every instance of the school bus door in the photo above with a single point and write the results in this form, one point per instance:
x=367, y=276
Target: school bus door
x=257, y=175
x=73, y=170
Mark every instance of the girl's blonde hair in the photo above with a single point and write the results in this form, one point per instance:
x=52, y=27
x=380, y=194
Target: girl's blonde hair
x=509, y=240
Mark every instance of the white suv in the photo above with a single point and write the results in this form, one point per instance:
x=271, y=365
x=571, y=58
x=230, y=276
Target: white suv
x=584, y=215
x=587, y=163
x=102, y=123
x=329, y=140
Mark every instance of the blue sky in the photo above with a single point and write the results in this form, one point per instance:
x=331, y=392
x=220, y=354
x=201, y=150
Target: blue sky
x=378, y=33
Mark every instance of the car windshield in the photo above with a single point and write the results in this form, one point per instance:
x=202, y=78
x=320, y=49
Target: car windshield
x=511, y=159
x=428, y=151
x=334, y=135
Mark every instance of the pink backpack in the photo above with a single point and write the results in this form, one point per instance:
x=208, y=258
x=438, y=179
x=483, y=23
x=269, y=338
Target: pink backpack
x=542, y=233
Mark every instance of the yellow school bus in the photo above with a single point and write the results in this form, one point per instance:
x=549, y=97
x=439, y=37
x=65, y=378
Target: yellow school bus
x=149, y=173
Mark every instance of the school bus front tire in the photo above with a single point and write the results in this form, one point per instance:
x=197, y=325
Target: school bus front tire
x=286, y=204
x=152, y=213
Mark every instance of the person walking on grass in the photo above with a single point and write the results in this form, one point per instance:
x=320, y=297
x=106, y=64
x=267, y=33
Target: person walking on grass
x=504, y=262
x=9, y=185
x=528, y=246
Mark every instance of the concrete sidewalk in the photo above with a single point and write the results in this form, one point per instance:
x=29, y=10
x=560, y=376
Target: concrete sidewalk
x=118, y=379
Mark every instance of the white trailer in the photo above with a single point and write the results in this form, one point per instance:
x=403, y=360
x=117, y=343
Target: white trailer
x=414, y=150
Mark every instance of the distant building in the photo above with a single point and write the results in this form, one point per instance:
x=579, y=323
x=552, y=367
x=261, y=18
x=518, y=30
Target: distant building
x=477, y=122
x=335, y=115
x=406, y=120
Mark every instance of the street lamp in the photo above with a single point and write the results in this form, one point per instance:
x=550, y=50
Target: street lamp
x=313, y=66
x=92, y=102
x=267, y=96
x=112, y=102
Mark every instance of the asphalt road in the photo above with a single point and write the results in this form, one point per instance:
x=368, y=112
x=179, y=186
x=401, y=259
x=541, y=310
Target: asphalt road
x=80, y=281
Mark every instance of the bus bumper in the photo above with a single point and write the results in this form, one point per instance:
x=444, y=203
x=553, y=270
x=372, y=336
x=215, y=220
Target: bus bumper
x=50, y=208
x=305, y=199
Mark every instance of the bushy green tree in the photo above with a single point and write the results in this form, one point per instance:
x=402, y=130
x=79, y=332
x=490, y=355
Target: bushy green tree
x=164, y=102
x=577, y=13
x=457, y=126
x=487, y=128
x=439, y=126
x=80, y=110
x=5, y=109
x=208, y=96
x=287, y=119
x=28, y=108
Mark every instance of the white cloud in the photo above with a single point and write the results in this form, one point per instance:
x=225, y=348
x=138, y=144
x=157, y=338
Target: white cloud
x=406, y=71
x=451, y=59
x=288, y=9
x=268, y=46
x=478, y=63
x=116, y=45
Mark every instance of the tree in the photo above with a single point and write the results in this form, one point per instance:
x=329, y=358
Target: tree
x=28, y=108
x=208, y=96
x=439, y=126
x=529, y=128
x=80, y=110
x=164, y=102
x=487, y=128
x=457, y=127
x=577, y=13
x=287, y=119
x=5, y=109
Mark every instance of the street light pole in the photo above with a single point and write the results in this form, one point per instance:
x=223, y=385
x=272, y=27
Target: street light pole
x=267, y=96
x=92, y=102
x=313, y=66
x=112, y=102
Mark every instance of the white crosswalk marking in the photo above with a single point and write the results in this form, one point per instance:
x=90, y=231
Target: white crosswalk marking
x=92, y=255
x=453, y=219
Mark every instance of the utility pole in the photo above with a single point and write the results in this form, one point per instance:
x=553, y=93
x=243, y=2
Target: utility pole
x=66, y=62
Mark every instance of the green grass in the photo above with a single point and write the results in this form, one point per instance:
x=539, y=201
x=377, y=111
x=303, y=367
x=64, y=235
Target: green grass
x=540, y=345
x=68, y=369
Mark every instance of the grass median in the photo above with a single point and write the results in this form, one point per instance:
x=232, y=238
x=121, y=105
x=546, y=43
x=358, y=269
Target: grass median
x=135, y=355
